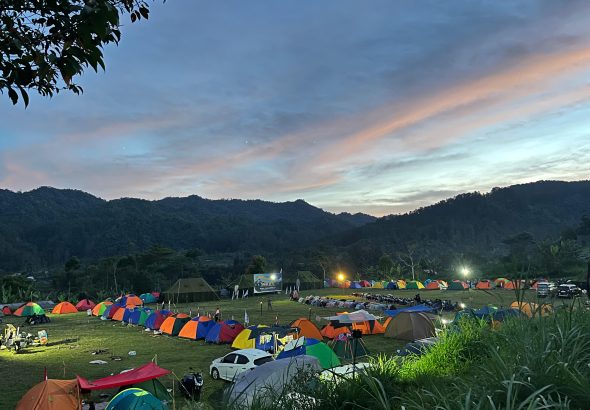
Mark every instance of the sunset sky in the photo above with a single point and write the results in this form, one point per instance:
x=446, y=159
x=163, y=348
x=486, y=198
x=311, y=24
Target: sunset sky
x=360, y=106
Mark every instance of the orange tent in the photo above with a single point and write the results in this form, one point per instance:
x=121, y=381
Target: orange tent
x=52, y=395
x=369, y=327
x=514, y=284
x=172, y=325
x=330, y=331
x=307, y=329
x=434, y=285
x=63, y=308
x=532, y=309
x=483, y=284
x=118, y=316
x=191, y=329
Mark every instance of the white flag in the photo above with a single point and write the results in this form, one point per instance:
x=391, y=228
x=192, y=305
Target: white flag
x=246, y=318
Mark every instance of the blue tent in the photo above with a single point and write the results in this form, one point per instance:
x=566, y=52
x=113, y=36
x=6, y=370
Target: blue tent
x=224, y=332
x=417, y=308
x=355, y=285
x=135, y=315
x=105, y=314
x=156, y=318
x=391, y=285
x=135, y=398
x=127, y=314
x=148, y=298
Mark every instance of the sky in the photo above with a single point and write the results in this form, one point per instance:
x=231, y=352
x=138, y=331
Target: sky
x=359, y=106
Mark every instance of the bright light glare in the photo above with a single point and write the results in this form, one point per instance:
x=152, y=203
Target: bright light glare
x=465, y=271
x=340, y=277
x=273, y=277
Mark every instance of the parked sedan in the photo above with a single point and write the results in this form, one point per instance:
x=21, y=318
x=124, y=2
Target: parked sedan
x=568, y=290
x=228, y=366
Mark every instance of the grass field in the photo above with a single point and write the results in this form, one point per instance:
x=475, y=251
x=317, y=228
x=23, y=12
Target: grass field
x=72, y=338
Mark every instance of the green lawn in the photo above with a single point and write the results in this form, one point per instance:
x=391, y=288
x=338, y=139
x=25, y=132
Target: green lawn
x=64, y=360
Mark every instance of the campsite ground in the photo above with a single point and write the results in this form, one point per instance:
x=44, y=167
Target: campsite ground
x=73, y=337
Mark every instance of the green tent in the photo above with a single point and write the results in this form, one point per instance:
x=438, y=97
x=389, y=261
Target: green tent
x=345, y=347
x=307, y=280
x=29, y=309
x=190, y=290
x=155, y=387
x=414, y=284
x=456, y=285
x=311, y=347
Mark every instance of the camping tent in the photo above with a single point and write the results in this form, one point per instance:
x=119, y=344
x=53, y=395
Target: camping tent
x=119, y=313
x=501, y=282
x=311, y=347
x=99, y=309
x=138, y=316
x=307, y=280
x=274, y=375
x=392, y=285
x=333, y=329
x=6, y=311
x=433, y=285
x=365, y=283
x=369, y=327
x=378, y=285
x=224, y=332
x=196, y=328
x=306, y=328
x=129, y=300
x=172, y=325
x=355, y=285
x=52, y=395
x=442, y=284
x=190, y=290
x=410, y=326
x=515, y=284
x=85, y=304
x=532, y=309
x=262, y=337
x=401, y=284
x=155, y=319
x=417, y=308
x=148, y=298
x=135, y=398
x=457, y=285
x=63, y=308
x=345, y=347
x=484, y=285
x=29, y=309
x=414, y=284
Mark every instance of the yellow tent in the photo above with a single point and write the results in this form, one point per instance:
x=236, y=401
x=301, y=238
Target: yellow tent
x=378, y=285
x=401, y=284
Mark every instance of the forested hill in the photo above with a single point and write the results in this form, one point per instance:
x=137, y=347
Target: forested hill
x=480, y=223
x=46, y=226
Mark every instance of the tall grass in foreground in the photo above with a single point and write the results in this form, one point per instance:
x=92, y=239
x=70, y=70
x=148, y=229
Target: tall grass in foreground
x=539, y=363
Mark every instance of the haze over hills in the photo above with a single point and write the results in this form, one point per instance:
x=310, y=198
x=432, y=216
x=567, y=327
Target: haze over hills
x=46, y=226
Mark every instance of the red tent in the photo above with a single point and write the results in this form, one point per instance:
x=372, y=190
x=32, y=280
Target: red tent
x=85, y=304
x=6, y=310
x=365, y=283
x=141, y=374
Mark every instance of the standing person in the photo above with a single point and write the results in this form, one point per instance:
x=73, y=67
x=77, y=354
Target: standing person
x=217, y=314
x=269, y=304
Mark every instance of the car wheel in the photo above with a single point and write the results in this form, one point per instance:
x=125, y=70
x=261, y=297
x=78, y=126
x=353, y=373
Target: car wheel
x=215, y=374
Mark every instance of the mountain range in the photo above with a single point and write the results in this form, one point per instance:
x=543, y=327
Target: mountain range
x=46, y=226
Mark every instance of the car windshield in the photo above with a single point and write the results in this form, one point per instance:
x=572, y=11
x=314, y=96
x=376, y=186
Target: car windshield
x=263, y=360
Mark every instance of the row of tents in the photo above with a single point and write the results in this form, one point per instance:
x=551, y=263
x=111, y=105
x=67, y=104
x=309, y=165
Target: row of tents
x=432, y=284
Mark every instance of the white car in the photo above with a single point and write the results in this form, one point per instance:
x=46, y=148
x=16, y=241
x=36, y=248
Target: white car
x=228, y=366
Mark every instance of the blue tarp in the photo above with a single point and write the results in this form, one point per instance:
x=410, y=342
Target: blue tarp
x=417, y=308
